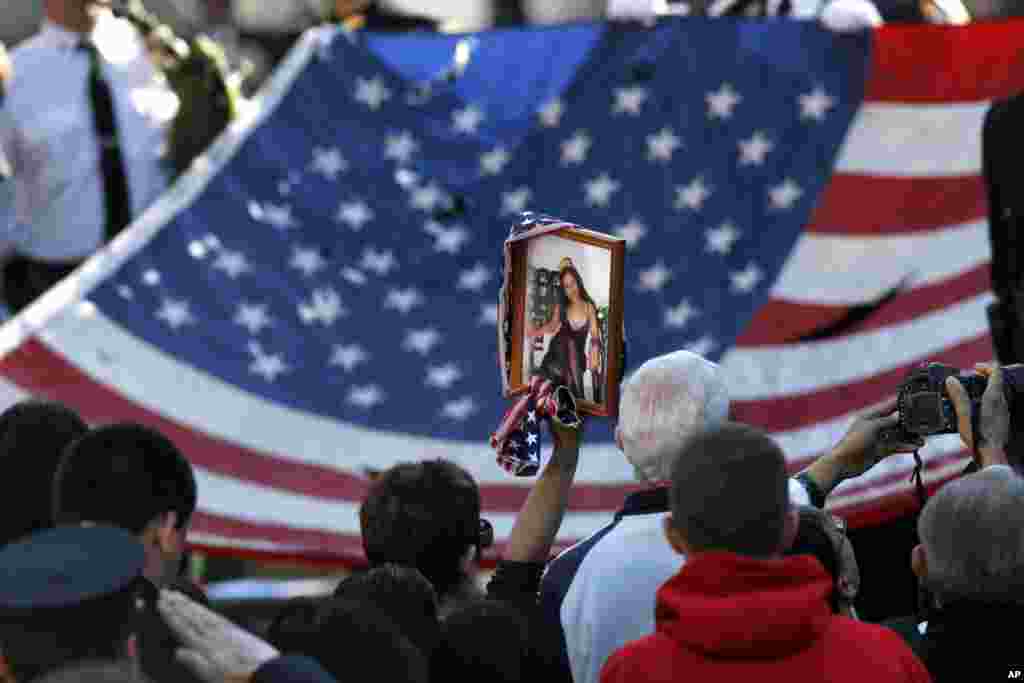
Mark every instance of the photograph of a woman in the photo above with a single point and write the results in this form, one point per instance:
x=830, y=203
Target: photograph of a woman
x=576, y=345
x=561, y=313
x=574, y=354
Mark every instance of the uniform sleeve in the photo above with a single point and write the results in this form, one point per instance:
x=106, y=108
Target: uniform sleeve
x=292, y=669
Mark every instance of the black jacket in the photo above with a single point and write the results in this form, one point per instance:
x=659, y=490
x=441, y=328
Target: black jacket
x=1003, y=126
x=969, y=640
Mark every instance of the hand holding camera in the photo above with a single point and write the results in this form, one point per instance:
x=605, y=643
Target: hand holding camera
x=985, y=428
x=865, y=443
x=936, y=399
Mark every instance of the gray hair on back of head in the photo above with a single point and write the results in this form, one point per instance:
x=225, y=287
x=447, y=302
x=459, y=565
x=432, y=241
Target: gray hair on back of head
x=667, y=401
x=972, y=530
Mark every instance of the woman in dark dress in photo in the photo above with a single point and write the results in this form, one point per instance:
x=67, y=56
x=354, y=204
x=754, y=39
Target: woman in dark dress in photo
x=573, y=321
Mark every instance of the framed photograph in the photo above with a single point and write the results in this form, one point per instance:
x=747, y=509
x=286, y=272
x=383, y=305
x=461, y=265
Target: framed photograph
x=562, y=304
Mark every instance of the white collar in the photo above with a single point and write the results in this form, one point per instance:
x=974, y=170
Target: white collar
x=60, y=37
x=63, y=38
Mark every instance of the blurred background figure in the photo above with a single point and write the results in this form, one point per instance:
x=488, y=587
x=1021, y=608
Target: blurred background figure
x=83, y=127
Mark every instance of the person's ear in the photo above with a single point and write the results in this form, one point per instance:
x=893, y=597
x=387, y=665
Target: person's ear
x=469, y=560
x=675, y=537
x=919, y=562
x=163, y=532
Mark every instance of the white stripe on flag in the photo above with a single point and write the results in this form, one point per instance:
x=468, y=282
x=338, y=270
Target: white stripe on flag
x=772, y=372
x=838, y=501
x=834, y=270
x=914, y=140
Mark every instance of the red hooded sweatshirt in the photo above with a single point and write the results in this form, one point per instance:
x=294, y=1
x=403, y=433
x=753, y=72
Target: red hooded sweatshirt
x=726, y=617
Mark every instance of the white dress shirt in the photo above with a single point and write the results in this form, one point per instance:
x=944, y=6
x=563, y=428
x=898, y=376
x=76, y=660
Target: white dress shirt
x=47, y=134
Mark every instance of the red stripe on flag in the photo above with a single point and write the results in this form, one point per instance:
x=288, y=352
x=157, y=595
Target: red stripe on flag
x=306, y=541
x=303, y=545
x=781, y=322
x=37, y=369
x=786, y=413
x=926, y=64
x=854, y=204
x=881, y=511
x=856, y=487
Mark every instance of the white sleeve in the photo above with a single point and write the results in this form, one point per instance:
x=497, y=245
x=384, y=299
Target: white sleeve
x=798, y=494
x=844, y=16
x=630, y=10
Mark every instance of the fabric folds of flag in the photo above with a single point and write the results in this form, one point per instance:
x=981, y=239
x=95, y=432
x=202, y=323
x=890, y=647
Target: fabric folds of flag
x=316, y=299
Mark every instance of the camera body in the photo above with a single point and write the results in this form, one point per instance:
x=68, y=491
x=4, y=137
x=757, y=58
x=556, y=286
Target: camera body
x=925, y=408
x=924, y=405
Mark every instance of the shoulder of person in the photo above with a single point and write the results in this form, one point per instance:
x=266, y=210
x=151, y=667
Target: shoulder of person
x=1004, y=115
x=32, y=51
x=877, y=636
x=652, y=658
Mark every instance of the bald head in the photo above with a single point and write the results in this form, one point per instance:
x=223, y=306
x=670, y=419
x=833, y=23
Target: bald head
x=972, y=532
x=666, y=402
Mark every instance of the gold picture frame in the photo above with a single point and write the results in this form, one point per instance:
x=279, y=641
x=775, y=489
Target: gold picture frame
x=561, y=313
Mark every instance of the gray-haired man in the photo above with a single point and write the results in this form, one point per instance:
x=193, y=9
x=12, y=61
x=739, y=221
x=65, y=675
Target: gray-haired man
x=602, y=590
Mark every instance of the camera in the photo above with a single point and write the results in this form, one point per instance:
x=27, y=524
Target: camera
x=925, y=409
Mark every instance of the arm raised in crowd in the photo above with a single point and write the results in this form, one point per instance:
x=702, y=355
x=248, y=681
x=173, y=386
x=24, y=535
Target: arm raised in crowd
x=538, y=521
x=989, y=446
x=859, y=450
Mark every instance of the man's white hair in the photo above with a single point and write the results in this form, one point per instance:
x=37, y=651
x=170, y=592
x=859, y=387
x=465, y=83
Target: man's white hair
x=665, y=403
x=973, y=535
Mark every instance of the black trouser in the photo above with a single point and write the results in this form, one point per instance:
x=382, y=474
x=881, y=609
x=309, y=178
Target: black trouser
x=26, y=279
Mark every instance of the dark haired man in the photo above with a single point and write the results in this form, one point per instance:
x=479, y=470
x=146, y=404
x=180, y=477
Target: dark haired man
x=349, y=632
x=403, y=595
x=427, y=515
x=737, y=610
x=33, y=436
x=133, y=477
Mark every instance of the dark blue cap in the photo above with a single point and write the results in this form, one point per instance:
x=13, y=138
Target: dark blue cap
x=68, y=566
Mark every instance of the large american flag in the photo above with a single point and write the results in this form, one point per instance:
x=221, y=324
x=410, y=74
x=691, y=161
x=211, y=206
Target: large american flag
x=316, y=299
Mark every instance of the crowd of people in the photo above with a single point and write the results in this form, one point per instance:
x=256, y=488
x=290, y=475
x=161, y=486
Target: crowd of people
x=722, y=568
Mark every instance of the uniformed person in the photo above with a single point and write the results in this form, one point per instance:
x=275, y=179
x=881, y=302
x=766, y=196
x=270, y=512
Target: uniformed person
x=69, y=595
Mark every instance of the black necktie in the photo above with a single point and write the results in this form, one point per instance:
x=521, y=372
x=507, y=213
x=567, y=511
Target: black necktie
x=117, y=199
